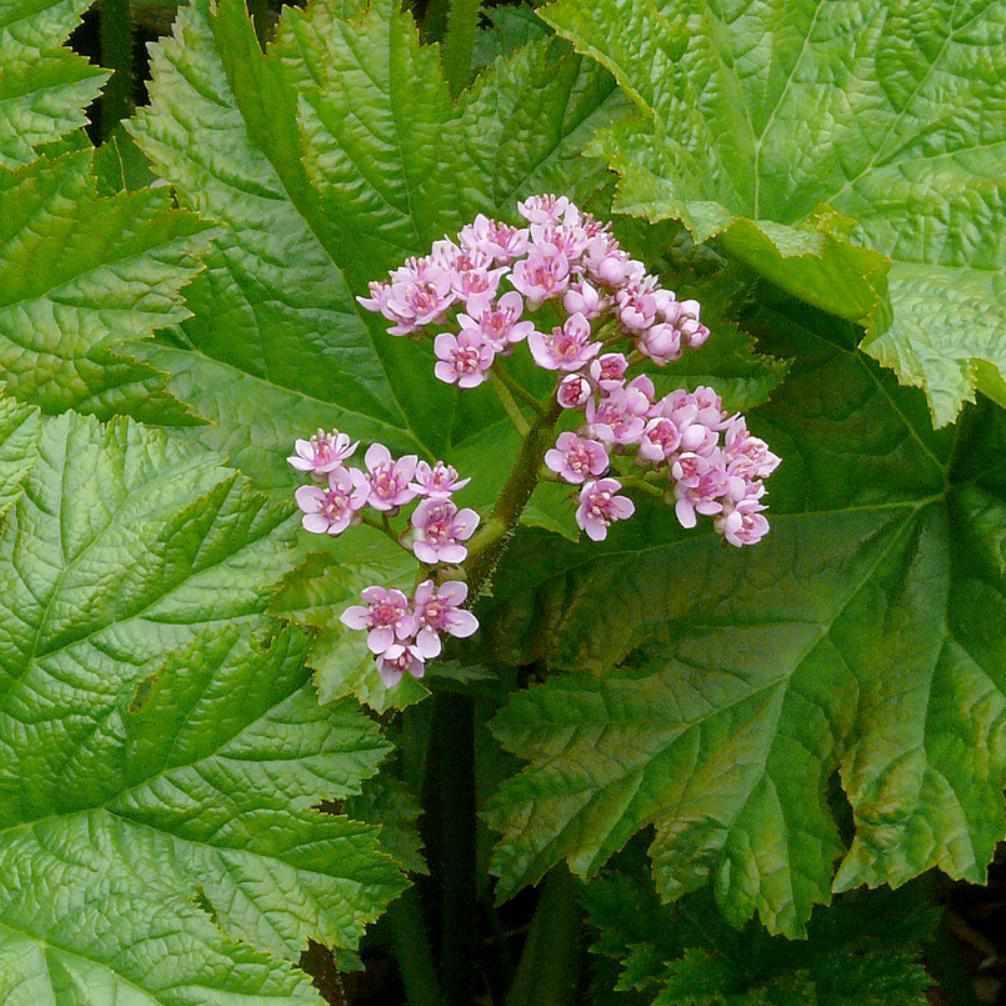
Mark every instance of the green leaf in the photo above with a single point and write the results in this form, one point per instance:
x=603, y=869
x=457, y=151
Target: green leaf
x=728, y=686
x=865, y=949
x=389, y=803
x=148, y=820
x=511, y=29
x=44, y=88
x=20, y=427
x=83, y=276
x=802, y=134
x=326, y=161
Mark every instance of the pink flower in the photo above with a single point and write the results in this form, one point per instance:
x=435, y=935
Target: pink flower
x=576, y=458
x=440, y=528
x=608, y=370
x=420, y=295
x=748, y=456
x=542, y=275
x=582, y=298
x=569, y=239
x=684, y=317
x=599, y=507
x=438, y=481
x=397, y=660
x=389, y=480
x=498, y=324
x=574, y=391
x=661, y=439
x=608, y=264
x=473, y=280
x=699, y=484
x=323, y=453
x=636, y=304
x=661, y=343
x=743, y=524
x=438, y=610
x=547, y=209
x=378, y=299
x=332, y=510
x=503, y=242
x=463, y=359
x=702, y=406
x=620, y=416
x=567, y=348
x=386, y=615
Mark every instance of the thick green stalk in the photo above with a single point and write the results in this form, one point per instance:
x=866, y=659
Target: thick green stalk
x=116, y=37
x=459, y=43
x=412, y=950
x=549, y=969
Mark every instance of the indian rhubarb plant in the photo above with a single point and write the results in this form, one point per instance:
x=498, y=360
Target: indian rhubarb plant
x=531, y=481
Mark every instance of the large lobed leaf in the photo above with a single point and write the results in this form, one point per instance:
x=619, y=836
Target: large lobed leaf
x=863, y=637
x=328, y=160
x=764, y=118
x=163, y=750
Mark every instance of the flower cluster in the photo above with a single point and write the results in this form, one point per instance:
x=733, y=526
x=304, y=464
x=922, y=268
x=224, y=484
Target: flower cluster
x=401, y=633
x=701, y=458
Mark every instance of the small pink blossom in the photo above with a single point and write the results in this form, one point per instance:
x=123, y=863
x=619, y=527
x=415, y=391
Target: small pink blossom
x=378, y=299
x=462, y=359
x=438, y=610
x=542, y=275
x=684, y=317
x=386, y=616
x=574, y=391
x=701, y=406
x=620, y=416
x=582, y=298
x=323, y=453
x=420, y=295
x=438, y=481
x=699, y=484
x=397, y=660
x=576, y=458
x=748, y=456
x=599, y=507
x=474, y=280
x=569, y=239
x=660, y=440
x=332, y=510
x=661, y=343
x=743, y=524
x=440, y=527
x=389, y=480
x=501, y=241
x=499, y=323
x=547, y=209
x=567, y=348
x=608, y=264
x=636, y=304
x=608, y=370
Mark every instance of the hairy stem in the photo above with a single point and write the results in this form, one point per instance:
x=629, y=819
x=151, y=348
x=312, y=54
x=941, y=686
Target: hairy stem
x=511, y=407
x=411, y=945
x=459, y=43
x=116, y=37
x=549, y=969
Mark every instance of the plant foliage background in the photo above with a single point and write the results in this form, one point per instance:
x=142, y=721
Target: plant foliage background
x=177, y=696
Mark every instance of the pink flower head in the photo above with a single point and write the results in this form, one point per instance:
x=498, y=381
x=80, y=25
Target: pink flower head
x=386, y=616
x=440, y=528
x=661, y=439
x=748, y=456
x=501, y=241
x=684, y=317
x=397, y=660
x=542, y=275
x=702, y=406
x=567, y=348
x=636, y=304
x=462, y=359
x=608, y=370
x=323, y=453
x=332, y=510
x=620, y=416
x=420, y=295
x=576, y=458
x=498, y=323
x=661, y=343
x=599, y=507
x=438, y=481
x=378, y=299
x=610, y=265
x=700, y=482
x=389, y=480
x=438, y=610
x=582, y=298
x=574, y=391
x=569, y=239
x=743, y=524
x=548, y=209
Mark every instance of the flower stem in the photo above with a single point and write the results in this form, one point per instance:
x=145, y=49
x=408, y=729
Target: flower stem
x=509, y=404
x=411, y=946
x=519, y=391
x=634, y=482
x=383, y=524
